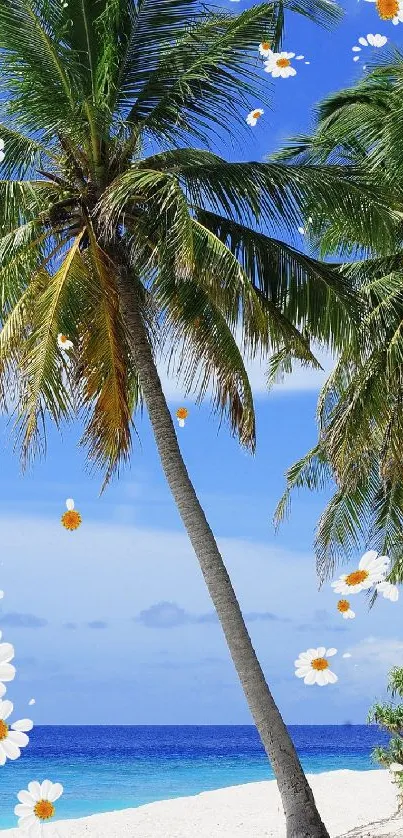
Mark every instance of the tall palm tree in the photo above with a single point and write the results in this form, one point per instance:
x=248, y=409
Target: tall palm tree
x=118, y=234
x=360, y=407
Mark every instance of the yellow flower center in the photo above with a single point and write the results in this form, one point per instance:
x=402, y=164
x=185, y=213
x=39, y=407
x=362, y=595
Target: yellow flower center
x=343, y=605
x=356, y=577
x=44, y=810
x=3, y=730
x=283, y=62
x=265, y=45
x=63, y=338
x=182, y=413
x=387, y=9
x=319, y=664
x=71, y=519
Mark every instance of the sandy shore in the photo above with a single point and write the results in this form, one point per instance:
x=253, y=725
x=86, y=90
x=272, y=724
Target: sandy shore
x=346, y=800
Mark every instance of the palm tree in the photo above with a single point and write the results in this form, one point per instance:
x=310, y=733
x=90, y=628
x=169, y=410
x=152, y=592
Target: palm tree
x=117, y=234
x=360, y=407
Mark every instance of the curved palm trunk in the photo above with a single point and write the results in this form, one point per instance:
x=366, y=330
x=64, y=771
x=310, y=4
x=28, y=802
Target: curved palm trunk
x=302, y=817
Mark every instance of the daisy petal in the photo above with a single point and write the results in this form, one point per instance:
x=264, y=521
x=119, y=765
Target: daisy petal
x=21, y=810
x=46, y=789
x=35, y=789
x=6, y=708
x=11, y=749
x=7, y=672
x=55, y=792
x=23, y=724
x=6, y=652
x=367, y=559
x=25, y=797
x=18, y=737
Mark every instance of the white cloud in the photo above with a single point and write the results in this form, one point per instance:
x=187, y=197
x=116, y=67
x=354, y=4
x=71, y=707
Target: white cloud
x=110, y=572
x=378, y=653
x=302, y=379
x=372, y=658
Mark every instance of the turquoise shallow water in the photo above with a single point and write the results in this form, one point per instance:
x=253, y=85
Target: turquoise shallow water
x=107, y=768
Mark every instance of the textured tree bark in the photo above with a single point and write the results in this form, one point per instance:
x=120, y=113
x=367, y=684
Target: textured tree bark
x=302, y=817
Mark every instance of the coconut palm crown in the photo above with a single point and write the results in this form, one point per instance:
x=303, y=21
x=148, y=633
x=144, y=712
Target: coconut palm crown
x=360, y=407
x=120, y=235
x=100, y=102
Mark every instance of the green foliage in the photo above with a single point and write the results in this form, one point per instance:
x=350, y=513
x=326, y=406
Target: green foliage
x=360, y=407
x=390, y=718
x=104, y=100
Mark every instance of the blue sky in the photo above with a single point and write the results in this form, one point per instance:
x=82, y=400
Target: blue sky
x=112, y=623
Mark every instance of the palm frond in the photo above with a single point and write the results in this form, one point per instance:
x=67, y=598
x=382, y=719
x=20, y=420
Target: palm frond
x=39, y=69
x=110, y=389
x=312, y=471
x=313, y=295
x=45, y=390
x=204, y=352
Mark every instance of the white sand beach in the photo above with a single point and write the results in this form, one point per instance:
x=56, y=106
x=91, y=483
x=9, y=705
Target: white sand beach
x=347, y=800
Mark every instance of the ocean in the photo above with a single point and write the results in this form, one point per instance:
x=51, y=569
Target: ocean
x=107, y=768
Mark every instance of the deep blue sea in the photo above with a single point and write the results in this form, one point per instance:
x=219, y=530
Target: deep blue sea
x=107, y=768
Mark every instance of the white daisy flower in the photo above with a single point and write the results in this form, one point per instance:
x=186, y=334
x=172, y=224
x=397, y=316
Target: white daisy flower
x=12, y=737
x=388, y=590
x=372, y=569
x=253, y=116
x=31, y=701
x=313, y=667
x=64, y=343
x=37, y=806
x=71, y=519
x=279, y=65
x=369, y=41
x=7, y=670
x=375, y=40
x=181, y=414
x=343, y=606
x=389, y=10
x=265, y=49
x=2, y=155
x=396, y=767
